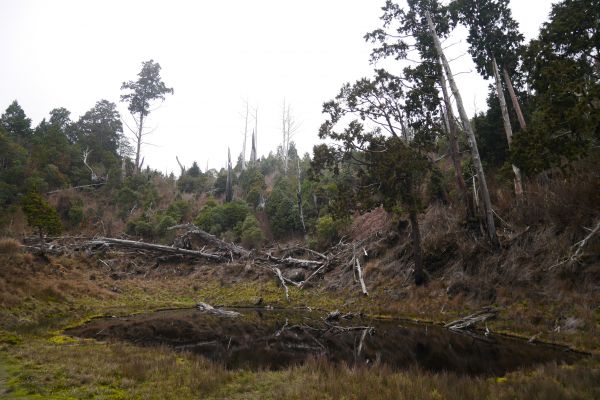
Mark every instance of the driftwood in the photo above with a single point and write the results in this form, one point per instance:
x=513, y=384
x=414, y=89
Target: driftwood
x=131, y=244
x=76, y=187
x=282, y=280
x=295, y=262
x=359, y=271
x=576, y=255
x=301, y=285
x=216, y=311
x=470, y=320
x=207, y=238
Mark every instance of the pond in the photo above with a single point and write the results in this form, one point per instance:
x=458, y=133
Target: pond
x=279, y=338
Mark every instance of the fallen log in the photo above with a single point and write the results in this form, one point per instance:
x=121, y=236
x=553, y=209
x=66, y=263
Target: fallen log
x=311, y=276
x=277, y=272
x=359, y=272
x=102, y=241
x=206, y=237
x=296, y=262
x=471, y=320
x=216, y=311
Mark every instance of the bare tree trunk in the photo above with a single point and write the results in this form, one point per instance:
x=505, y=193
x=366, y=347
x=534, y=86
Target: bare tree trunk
x=454, y=150
x=229, y=183
x=489, y=216
x=245, y=136
x=299, y=194
x=507, y=127
x=515, y=101
x=416, y=247
x=123, y=168
x=139, y=143
x=181, y=167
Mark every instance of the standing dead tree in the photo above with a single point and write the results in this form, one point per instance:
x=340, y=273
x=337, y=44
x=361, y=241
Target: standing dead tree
x=507, y=126
x=299, y=195
x=485, y=194
x=229, y=183
x=289, y=128
x=181, y=167
x=96, y=179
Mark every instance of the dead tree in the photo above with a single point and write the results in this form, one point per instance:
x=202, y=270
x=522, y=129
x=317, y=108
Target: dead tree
x=485, y=194
x=229, y=183
x=507, y=126
x=299, y=195
x=253, y=150
x=515, y=101
x=452, y=133
x=245, y=138
x=181, y=167
x=288, y=129
x=95, y=178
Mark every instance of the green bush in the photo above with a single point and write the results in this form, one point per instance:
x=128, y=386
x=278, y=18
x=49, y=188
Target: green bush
x=144, y=229
x=327, y=231
x=40, y=214
x=178, y=210
x=217, y=219
x=252, y=236
x=282, y=208
x=165, y=222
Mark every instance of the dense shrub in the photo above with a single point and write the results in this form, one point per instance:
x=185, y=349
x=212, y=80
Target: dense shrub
x=327, y=231
x=164, y=222
x=282, y=208
x=252, y=236
x=217, y=219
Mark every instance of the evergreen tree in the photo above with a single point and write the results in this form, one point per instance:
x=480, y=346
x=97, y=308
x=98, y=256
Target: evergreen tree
x=148, y=88
x=16, y=124
x=41, y=215
x=562, y=65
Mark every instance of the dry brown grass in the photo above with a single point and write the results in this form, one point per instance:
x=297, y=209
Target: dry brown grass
x=9, y=246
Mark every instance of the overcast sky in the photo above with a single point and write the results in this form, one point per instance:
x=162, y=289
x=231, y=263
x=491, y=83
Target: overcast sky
x=215, y=54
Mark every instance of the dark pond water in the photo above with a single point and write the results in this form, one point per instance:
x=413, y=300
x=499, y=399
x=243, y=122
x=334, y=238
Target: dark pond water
x=276, y=339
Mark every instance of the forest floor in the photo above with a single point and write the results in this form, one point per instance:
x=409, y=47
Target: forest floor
x=41, y=298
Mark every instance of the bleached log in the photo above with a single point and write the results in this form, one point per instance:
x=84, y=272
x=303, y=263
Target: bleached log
x=216, y=311
x=212, y=239
x=471, y=320
x=296, y=262
x=280, y=276
x=311, y=276
x=103, y=241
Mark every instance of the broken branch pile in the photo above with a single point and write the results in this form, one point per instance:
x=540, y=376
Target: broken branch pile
x=281, y=262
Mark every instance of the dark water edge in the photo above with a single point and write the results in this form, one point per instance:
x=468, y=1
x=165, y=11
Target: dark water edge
x=279, y=338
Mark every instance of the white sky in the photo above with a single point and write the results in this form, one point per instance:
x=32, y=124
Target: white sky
x=215, y=54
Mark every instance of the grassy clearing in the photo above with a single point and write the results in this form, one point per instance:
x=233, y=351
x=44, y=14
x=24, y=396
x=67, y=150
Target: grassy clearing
x=41, y=299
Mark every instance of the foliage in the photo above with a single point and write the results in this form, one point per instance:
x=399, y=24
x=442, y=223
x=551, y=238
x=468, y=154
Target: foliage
x=327, y=231
x=40, y=214
x=282, y=208
x=147, y=88
x=493, y=33
x=70, y=211
x=16, y=124
x=563, y=70
x=252, y=236
x=13, y=159
x=216, y=219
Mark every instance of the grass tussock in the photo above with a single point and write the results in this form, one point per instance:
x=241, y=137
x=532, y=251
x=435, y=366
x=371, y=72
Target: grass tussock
x=9, y=246
x=126, y=371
